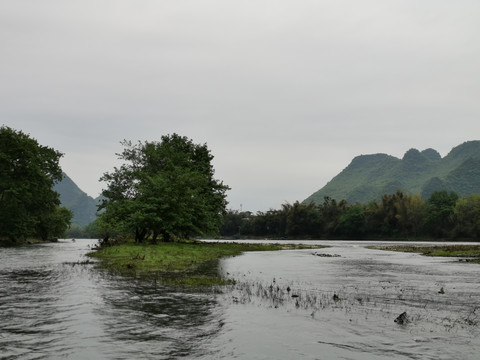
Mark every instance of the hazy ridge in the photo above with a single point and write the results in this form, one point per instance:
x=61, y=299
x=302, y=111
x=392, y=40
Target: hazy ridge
x=83, y=206
x=368, y=177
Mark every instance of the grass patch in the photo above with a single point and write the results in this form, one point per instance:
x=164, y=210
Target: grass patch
x=472, y=252
x=177, y=262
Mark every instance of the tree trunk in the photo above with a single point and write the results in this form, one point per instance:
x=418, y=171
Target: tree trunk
x=140, y=235
x=166, y=236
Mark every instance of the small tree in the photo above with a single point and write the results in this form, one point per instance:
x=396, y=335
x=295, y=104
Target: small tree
x=410, y=214
x=164, y=189
x=302, y=220
x=28, y=204
x=440, y=208
x=352, y=221
x=330, y=212
x=402, y=214
x=231, y=224
x=467, y=217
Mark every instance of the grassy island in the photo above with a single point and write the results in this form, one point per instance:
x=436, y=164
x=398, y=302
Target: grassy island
x=177, y=262
x=469, y=252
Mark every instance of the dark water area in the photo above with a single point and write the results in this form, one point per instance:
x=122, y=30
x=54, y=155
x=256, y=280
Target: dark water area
x=338, y=302
x=53, y=306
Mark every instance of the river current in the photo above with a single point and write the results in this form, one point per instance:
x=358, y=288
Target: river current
x=334, y=303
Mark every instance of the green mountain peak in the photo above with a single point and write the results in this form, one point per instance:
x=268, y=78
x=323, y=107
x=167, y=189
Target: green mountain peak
x=84, y=207
x=368, y=177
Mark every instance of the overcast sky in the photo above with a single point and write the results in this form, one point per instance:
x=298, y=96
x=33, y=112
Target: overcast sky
x=284, y=93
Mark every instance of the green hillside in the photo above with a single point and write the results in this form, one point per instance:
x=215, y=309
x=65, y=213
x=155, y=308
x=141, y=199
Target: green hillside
x=368, y=177
x=83, y=206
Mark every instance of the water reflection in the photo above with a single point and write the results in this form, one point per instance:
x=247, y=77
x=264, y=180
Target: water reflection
x=53, y=307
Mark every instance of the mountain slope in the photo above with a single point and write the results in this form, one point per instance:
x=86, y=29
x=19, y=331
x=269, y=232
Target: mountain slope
x=84, y=207
x=368, y=177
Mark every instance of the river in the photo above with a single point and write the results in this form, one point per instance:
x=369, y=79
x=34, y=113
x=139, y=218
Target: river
x=334, y=303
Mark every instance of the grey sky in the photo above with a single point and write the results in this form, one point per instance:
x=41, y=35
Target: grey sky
x=285, y=93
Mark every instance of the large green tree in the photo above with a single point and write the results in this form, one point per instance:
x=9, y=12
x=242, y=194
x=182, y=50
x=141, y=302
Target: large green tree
x=29, y=207
x=164, y=189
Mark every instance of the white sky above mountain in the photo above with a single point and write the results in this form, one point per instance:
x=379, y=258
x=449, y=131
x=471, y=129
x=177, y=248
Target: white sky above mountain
x=285, y=93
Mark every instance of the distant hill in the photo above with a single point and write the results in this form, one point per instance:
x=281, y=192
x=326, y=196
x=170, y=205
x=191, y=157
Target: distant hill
x=84, y=207
x=368, y=177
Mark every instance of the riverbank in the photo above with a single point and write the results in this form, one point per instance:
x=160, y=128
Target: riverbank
x=177, y=262
x=29, y=241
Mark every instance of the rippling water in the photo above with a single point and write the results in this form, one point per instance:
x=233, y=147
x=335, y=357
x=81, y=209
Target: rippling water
x=52, y=306
x=282, y=307
x=347, y=304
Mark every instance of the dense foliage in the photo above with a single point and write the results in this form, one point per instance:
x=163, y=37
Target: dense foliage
x=29, y=207
x=163, y=189
x=397, y=215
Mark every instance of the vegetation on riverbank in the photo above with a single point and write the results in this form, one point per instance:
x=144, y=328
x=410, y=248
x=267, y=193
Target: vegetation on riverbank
x=177, y=262
x=396, y=216
x=5, y=242
x=471, y=252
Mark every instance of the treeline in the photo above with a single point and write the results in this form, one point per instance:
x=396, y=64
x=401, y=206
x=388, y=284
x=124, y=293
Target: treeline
x=442, y=216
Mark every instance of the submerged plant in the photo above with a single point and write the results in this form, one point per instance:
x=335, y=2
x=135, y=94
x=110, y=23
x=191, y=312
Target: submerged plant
x=422, y=306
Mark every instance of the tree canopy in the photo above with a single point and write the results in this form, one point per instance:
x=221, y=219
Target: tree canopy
x=163, y=189
x=29, y=207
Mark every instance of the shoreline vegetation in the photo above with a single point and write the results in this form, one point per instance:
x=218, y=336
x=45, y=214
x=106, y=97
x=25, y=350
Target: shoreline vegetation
x=468, y=253
x=23, y=242
x=178, y=263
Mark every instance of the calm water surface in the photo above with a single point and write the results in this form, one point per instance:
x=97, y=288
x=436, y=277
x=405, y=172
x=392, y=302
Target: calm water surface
x=334, y=303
